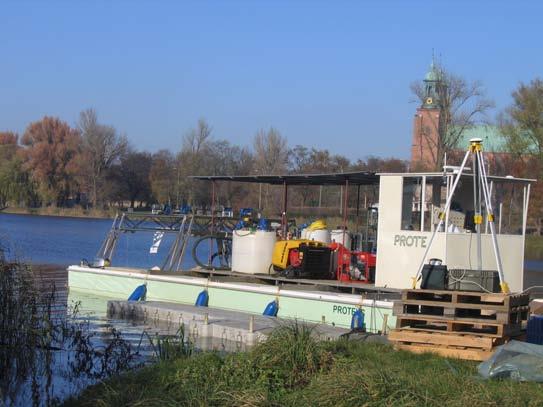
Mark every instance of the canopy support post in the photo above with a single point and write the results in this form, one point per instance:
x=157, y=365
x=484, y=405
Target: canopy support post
x=284, y=212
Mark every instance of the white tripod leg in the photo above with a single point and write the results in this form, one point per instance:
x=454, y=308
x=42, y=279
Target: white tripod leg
x=490, y=215
x=441, y=216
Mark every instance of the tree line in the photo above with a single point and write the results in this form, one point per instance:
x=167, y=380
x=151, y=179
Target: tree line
x=92, y=165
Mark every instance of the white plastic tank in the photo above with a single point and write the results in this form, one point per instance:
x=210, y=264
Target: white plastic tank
x=320, y=235
x=252, y=251
x=338, y=236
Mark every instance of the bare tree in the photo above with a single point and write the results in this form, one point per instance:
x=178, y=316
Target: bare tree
x=461, y=104
x=271, y=152
x=101, y=147
x=271, y=157
x=195, y=140
x=192, y=161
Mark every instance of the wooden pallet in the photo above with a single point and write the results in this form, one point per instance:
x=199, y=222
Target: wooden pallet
x=482, y=312
x=462, y=324
x=466, y=297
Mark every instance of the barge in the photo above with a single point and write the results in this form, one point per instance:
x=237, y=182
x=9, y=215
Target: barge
x=419, y=220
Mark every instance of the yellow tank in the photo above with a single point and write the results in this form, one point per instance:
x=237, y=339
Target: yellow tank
x=282, y=249
x=319, y=224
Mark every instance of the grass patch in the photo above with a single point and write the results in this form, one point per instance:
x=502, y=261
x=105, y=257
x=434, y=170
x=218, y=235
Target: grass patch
x=293, y=369
x=534, y=247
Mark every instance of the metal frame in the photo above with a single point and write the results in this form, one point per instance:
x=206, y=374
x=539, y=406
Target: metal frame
x=181, y=225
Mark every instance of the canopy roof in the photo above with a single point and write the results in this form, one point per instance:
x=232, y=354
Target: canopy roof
x=354, y=178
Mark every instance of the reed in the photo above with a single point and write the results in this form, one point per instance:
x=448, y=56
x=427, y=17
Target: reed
x=41, y=337
x=168, y=347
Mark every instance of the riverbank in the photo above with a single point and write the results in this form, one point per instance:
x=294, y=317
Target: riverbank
x=293, y=369
x=63, y=212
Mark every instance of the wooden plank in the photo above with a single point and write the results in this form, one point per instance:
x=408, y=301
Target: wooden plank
x=476, y=328
x=445, y=339
x=467, y=297
x=490, y=307
x=478, y=333
x=443, y=319
x=502, y=317
x=466, y=354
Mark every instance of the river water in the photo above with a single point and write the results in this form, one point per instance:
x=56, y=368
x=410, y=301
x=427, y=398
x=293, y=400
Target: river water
x=64, y=241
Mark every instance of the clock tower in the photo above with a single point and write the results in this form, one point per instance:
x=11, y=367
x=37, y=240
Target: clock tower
x=426, y=124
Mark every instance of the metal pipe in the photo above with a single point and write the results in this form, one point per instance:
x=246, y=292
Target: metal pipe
x=284, y=213
x=212, y=221
x=345, y=211
x=477, y=207
x=422, y=202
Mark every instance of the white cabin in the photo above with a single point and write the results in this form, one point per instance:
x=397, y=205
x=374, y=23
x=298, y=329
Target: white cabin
x=409, y=206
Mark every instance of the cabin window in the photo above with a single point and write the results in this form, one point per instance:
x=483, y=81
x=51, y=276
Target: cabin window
x=435, y=197
x=508, y=202
x=411, y=203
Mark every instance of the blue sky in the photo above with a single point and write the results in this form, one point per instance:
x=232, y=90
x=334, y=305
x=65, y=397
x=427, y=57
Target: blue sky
x=331, y=75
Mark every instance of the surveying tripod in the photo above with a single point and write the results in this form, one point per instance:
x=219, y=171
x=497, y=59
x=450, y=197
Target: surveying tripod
x=480, y=189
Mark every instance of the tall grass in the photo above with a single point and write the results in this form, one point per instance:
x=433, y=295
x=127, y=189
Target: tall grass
x=168, y=347
x=292, y=368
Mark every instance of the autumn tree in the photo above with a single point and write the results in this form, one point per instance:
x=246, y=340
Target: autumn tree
x=460, y=104
x=8, y=145
x=51, y=155
x=101, y=148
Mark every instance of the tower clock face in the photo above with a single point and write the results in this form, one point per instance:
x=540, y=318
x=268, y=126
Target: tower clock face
x=429, y=101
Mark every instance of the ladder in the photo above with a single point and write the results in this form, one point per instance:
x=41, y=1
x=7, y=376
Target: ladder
x=177, y=250
x=110, y=242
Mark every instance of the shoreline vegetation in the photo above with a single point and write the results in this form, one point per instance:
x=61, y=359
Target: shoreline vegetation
x=292, y=368
x=76, y=212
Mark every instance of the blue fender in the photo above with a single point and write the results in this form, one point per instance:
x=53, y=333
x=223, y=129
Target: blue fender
x=271, y=309
x=357, y=321
x=139, y=293
x=202, y=299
